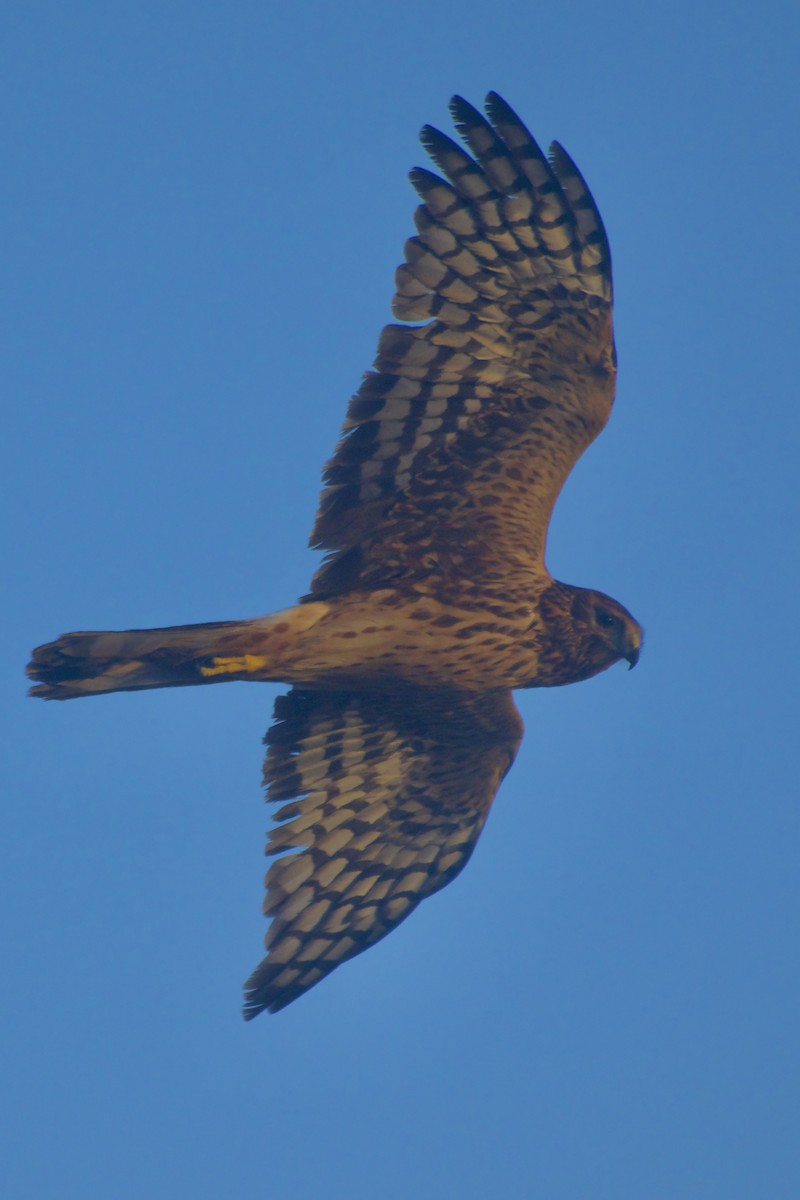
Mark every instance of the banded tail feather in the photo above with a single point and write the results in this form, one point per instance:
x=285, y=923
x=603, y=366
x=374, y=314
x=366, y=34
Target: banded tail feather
x=94, y=663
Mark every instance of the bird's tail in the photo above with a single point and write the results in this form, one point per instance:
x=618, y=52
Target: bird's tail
x=90, y=664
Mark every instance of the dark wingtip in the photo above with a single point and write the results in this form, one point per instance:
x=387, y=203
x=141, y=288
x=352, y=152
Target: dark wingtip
x=499, y=109
x=261, y=994
x=463, y=113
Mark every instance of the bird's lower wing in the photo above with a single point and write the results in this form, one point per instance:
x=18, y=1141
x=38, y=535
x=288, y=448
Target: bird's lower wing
x=384, y=799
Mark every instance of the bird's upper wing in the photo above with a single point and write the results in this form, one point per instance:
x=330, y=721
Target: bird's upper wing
x=385, y=798
x=458, y=442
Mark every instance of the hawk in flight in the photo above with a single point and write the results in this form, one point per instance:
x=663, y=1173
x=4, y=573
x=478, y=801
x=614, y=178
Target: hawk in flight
x=433, y=602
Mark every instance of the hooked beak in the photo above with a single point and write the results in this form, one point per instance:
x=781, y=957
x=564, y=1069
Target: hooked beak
x=634, y=649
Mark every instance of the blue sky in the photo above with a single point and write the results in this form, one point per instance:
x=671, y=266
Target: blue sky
x=204, y=206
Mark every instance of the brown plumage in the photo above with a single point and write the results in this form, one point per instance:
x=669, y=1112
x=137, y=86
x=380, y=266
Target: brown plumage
x=433, y=601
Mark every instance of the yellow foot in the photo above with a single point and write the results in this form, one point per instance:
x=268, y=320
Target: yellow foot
x=245, y=664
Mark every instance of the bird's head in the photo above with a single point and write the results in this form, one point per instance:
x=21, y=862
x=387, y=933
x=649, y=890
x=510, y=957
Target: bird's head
x=618, y=634
x=590, y=633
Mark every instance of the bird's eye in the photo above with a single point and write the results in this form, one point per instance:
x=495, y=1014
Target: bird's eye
x=603, y=617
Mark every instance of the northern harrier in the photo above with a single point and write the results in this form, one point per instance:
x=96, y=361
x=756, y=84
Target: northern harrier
x=433, y=602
